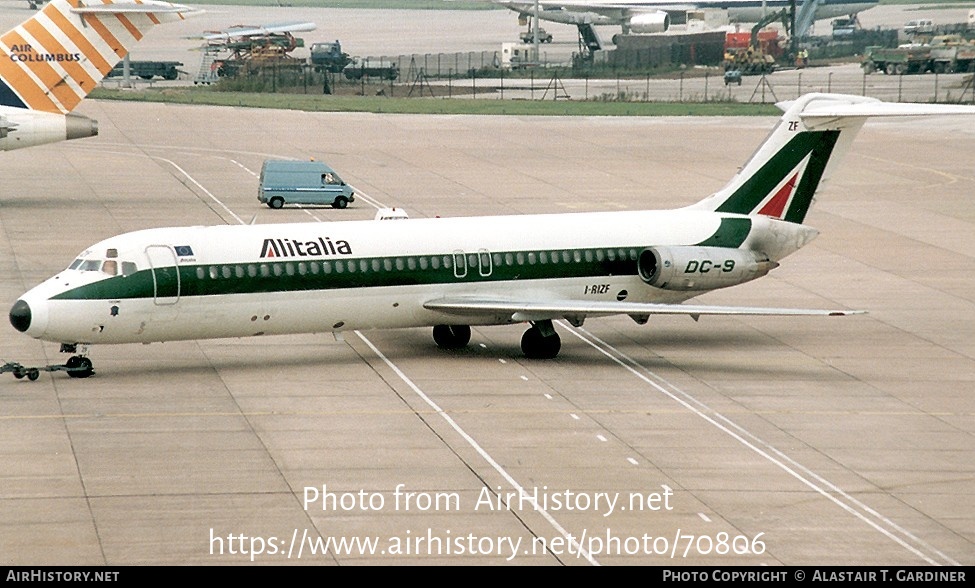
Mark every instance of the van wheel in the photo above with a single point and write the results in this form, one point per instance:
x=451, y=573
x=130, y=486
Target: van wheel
x=340, y=202
x=276, y=202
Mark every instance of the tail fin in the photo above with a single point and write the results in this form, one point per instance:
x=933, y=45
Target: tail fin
x=56, y=57
x=815, y=132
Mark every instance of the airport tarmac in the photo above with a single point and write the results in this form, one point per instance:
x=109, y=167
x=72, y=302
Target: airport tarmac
x=728, y=441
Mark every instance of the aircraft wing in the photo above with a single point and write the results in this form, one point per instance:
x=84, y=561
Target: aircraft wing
x=521, y=311
x=259, y=30
x=609, y=9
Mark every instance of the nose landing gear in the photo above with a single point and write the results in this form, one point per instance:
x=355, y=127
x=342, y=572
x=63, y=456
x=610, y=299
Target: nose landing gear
x=78, y=366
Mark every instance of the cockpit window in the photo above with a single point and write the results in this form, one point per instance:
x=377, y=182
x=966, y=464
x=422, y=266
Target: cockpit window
x=128, y=268
x=90, y=265
x=110, y=267
x=76, y=263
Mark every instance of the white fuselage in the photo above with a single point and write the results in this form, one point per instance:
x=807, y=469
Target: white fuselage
x=610, y=12
x=237, y=281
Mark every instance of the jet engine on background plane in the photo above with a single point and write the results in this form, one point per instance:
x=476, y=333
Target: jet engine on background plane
x=649, y=23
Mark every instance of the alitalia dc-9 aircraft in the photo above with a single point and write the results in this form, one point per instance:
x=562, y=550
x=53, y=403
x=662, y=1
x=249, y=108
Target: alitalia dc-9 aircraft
x=184, y=283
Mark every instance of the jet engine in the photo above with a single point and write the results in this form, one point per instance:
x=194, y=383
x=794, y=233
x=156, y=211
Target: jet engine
x=701, y=268
x=20, y=127
x=650, y=22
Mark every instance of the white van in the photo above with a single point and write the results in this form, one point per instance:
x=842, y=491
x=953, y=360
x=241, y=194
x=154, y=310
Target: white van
x=285, y=181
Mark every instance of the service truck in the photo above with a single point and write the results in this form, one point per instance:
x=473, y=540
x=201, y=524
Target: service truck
x=328, y=57
x=945, y=54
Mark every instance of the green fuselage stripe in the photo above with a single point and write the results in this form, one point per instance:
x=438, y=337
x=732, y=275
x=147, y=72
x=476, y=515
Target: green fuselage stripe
x=335, y=273
x=295, y=274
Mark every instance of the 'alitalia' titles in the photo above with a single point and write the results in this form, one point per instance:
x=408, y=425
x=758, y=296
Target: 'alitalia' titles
x=320, y=247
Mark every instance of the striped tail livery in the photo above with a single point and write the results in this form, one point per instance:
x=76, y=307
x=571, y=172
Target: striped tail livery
x=55, y=58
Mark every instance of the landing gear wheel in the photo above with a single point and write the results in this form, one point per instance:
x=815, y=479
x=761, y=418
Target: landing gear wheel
x=79, y=367
x=537, y=346
x=33, y=374
x=452, y=336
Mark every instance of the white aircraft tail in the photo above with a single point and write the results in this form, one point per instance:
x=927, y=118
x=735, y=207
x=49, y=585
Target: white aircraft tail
x=55, y=58
x=781, y=178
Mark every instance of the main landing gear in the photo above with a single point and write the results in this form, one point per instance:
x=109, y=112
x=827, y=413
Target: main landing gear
x=539, y=342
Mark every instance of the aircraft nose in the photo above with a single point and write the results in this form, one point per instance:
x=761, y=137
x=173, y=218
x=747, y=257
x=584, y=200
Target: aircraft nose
x=20, y=316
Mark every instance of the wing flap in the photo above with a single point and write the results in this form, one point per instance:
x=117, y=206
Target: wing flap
x=521, y=310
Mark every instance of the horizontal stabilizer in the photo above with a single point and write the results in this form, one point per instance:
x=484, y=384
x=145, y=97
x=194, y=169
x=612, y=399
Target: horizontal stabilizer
x=130, y=7
x=871, y=107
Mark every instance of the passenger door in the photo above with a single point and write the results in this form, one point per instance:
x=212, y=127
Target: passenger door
x=165, y=274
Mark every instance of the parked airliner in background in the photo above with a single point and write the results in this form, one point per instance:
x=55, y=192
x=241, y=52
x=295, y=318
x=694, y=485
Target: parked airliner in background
x=56, y=57
x=654, y=16
x=183, y=283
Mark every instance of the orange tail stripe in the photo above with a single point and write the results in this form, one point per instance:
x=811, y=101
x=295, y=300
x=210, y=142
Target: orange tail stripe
x=88, y=50
x=23, y=85
x=133, y=30
x=27, y=90
x=95, y=23
x=73, y=68
x=152, y=17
